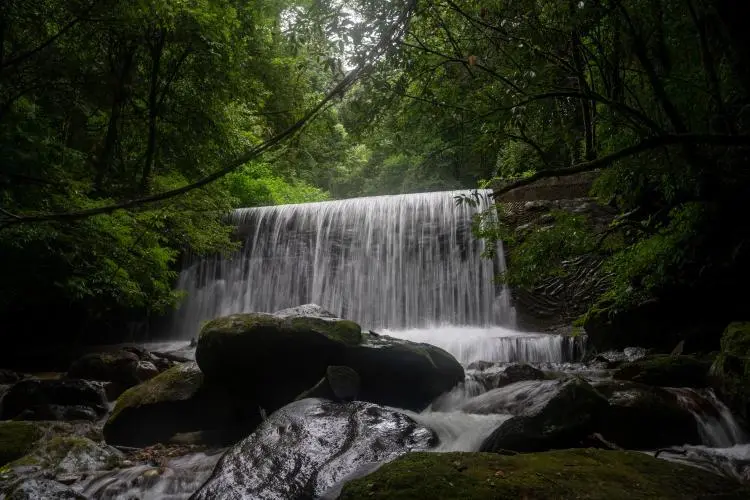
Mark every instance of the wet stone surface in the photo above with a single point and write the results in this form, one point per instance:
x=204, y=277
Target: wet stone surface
x=306, y=447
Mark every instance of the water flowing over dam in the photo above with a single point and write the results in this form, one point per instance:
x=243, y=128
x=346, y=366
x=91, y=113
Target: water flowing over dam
x=396, y=262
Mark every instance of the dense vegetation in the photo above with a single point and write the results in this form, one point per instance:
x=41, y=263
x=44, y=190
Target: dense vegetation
x=107, y=104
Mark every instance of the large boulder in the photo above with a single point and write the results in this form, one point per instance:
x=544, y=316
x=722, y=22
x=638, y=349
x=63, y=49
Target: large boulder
x=732, y=367
x=562, y=475
x=177, y=401
x=564, y=421
x=35, y=399
x=641, y=417
x=666, y=371
x=306, y=447
x=272, y=359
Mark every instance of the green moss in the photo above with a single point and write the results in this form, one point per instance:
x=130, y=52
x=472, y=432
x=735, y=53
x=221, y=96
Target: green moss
x=340, y=330
x=732, y=366
x=564, y=474
x=17, y=439
x=666, y=371
x=238, y=324
x=176, y=384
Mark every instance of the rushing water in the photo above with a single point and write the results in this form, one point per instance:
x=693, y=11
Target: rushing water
x=405, y=261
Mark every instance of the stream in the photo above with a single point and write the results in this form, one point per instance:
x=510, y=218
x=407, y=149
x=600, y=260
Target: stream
x=465, y=416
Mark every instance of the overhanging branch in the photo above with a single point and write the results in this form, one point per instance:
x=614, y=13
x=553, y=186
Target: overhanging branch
x=645, y=145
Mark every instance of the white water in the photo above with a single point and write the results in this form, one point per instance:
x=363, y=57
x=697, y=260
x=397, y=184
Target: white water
x=396, y=262
x=469, y=344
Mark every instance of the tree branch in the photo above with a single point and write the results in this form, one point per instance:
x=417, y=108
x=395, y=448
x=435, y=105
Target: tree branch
x=645, y=145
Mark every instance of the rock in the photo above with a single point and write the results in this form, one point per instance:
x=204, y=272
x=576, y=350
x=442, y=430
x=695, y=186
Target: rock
x=562, y=475
x=17, y=439
x=345, y=382
x=65, y=457
x=9, y=377
x=341, y=383
x=38, y=488
x=521, y=398
x=307, y=310
x=480, y=365
x=122, y=368
x=666, y=371
x=146, y=370
x=243, y=353
x=640, y=417
x=402, y=374
x=732, y=367
x=176, y=401
x=306, y=447
x=563, y=422
x=497, y=375
x=34, y=399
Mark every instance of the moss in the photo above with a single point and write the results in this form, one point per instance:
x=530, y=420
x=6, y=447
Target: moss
x=666, y=371
x=564, y=474
x=176, y=384
x=340, y=330
x=17, y=439
x=732, y=366
x=238, y=324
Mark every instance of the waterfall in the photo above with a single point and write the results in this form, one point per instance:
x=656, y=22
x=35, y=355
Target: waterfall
x=397, y=262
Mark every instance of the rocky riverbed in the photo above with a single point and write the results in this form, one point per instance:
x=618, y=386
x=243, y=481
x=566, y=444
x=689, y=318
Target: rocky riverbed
x=301, y=405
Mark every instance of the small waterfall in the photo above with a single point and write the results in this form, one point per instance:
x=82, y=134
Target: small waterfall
x=497, y=344
x=404, y=261
x=717, y=426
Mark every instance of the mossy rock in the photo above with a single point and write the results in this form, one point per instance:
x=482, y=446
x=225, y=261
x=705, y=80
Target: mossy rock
x=174, y=402
x=271, y=359
x=563, y=474
x=666, y=371
x=17, y=439
x=732, y=367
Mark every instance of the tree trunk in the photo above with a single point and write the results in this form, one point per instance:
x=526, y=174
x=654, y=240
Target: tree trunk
x=157, y=50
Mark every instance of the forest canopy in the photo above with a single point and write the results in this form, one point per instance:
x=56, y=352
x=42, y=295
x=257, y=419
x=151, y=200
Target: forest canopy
x=105, y=102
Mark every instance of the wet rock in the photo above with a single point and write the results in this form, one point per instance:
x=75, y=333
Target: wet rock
x=176, y=401
x=562, y=475
x=666, y=371
x=304, y=448
x=66, y=458
x=39, y=488
x=34, y=399
x=146, y=370
x=645, y=418
x=563, y=422
x=498, y=375
x=117, y=366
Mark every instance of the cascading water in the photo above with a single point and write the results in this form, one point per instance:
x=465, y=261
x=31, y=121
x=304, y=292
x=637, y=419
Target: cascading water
x=395, y=262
